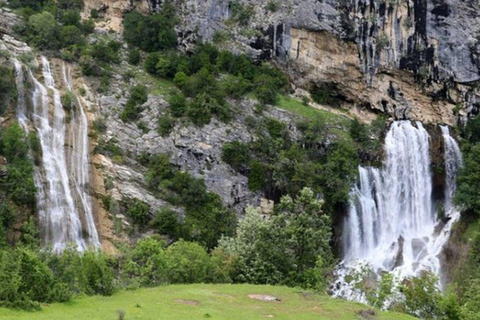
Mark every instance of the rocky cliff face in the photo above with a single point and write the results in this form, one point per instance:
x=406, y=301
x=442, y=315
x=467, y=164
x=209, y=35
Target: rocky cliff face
x=435, y=41
x=409, y=59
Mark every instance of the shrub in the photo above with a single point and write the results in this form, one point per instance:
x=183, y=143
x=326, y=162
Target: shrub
x=145, y=265
x=107, y=52
x=68, y=100
x=138, y=211
x=8, y=90
x=272, y=6
x=265, y=89
x=157, y=31
x=166, y=222
x=151, y=61
x=180, y=79
x=159, y=169
x=70, y=35
x=138, y=96
x=236, y=154
x=97, y=275
x=165, y=125
x=43, y=31
x=178, y=104
x=134, y=57
x=188, y=262
x=324, y=94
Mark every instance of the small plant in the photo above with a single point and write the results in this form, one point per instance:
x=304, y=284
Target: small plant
x=121, y=314
x=305, y=100
x=383, y=42
x=457, y=108
x=407, y=23
x=134, y=57
x=272, y=6
x=94, y=13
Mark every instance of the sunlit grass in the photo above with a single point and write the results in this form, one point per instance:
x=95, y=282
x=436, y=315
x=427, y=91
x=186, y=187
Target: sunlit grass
x=206, y=301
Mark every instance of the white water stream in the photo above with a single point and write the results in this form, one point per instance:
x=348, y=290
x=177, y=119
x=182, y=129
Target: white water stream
x=63, y=204
x=392, y=224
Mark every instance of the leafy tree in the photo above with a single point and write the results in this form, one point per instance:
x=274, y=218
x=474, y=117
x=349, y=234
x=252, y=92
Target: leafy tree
x=422, y=297
x=188, y=262
x=146, y=264
x=151, y=33
x=43, y=31
x=468, y=195
x=291, y=247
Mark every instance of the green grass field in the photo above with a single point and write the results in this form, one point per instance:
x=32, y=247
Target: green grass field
x=201, y=301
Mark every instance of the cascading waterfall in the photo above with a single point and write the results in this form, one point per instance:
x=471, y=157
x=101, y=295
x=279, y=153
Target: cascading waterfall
x=79, y=157
x=392, y=224
x=63, y=205
x=453, y=161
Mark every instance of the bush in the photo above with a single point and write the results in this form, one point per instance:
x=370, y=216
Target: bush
x=43, y=31
x=107, y=52
x=265, y=89
x=178, y=104
x=159, y=169
x=8, y=90
x=157, y=31
x=165, y=125
x=145, y=265
x=166, y=222
x=19, y=183
x=134, y=57
x=139, y=212
x=324, y=94
x=236, y=154
x=188, y=262
x=180, y=79
x=70, y=35
x=138, y=96
x=97, y=275
x=151, y=61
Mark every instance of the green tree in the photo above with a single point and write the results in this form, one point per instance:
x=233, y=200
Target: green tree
x=468, y=194
x=188, y=262
x=43, y=31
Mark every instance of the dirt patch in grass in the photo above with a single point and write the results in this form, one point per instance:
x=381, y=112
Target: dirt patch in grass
x=188, y=302
x=367, y=314
x=264, y=297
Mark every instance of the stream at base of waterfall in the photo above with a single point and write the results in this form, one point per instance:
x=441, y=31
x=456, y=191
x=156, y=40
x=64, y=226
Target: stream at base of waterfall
x=392, y=224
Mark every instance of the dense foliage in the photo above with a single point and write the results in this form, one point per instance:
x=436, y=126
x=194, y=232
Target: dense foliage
x=17, y=188
x=8, y=91
x=279, y=166
x=291, y=247
x=206, y=218
x=151, y=33
x=208, y=77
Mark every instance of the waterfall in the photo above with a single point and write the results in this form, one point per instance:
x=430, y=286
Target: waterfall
x=453, y=160
x=63, y=205
x=392, y=224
